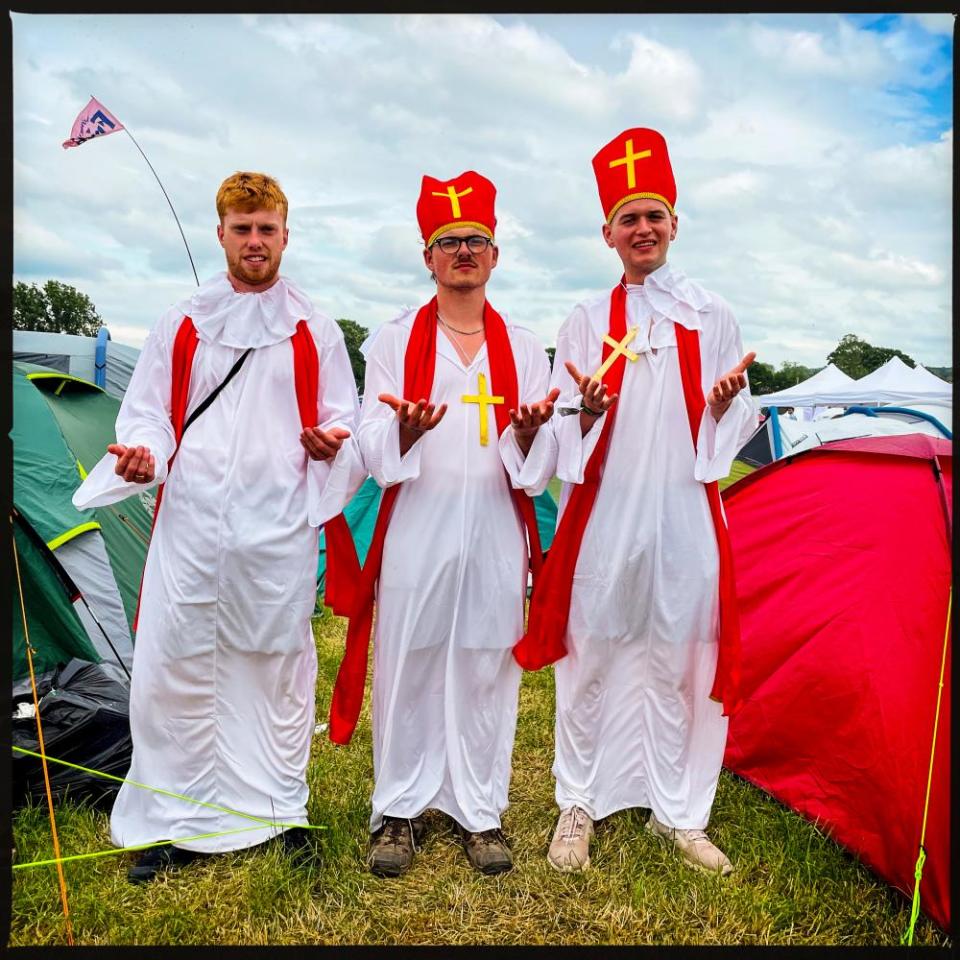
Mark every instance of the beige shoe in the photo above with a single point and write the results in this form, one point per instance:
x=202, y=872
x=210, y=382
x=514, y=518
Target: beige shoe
x=570, y=848
x=694, y=846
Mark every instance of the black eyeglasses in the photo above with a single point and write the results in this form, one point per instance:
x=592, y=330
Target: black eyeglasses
x=475, y=244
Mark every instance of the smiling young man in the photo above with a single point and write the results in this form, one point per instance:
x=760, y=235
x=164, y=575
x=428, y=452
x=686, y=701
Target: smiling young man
x=453, y=398
x=636, y=604
x=241, y=406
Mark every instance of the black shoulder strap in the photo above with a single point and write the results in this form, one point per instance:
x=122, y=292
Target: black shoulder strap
x=213, y=395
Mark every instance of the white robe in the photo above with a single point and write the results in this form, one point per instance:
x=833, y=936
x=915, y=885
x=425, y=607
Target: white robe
x=222, y=697
x=635, y=726
x=450, y=599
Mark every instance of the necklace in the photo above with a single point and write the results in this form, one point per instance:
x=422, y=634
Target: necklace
x=466, y=333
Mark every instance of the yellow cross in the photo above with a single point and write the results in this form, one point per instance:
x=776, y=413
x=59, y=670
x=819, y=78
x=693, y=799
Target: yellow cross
x=483, y=399
x=629, y=159
x=454, y=198
x=619, y=349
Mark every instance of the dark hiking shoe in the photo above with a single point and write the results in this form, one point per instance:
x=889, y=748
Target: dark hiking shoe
x=160, y=859
x=487, y=850
x=392, y=846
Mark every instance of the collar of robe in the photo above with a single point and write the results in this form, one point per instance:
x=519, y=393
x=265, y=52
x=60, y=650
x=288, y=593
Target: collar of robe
x=673, y=297
x=221, y=315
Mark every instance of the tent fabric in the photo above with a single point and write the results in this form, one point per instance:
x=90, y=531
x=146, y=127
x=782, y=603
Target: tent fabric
x=76, y=355
x=894, y=382
x=827, y=380
x=361, y=517
x=843, y=569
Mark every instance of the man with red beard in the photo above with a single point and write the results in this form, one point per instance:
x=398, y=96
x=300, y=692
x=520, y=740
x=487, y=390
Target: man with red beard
x=241, y=407
x=453, y=399
x=636, y=604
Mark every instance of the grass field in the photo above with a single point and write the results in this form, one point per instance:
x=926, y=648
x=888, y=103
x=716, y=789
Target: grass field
x=792, y=885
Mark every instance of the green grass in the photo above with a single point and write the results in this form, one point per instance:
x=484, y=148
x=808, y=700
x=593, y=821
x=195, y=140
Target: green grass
x=792, y=885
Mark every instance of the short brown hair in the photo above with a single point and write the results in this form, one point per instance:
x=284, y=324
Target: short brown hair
x=248, y=191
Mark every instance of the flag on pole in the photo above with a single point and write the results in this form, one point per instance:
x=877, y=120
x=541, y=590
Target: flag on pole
x=94, y=120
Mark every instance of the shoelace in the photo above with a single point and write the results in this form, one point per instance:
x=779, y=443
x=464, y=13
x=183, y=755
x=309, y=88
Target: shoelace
x=394, y=833
x=574, y=824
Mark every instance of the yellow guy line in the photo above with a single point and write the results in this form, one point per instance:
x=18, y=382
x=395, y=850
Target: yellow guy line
x=43, y=759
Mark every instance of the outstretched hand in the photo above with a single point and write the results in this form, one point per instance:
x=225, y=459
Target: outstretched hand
x=728, y=386
x=415, y=418
x=596, y=400
x=134, y=464
x=531, y=417
x=323, y=444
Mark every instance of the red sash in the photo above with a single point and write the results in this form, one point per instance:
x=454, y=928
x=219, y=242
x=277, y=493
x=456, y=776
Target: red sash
x=544, y=641
x=418, y=369
x=343, y=571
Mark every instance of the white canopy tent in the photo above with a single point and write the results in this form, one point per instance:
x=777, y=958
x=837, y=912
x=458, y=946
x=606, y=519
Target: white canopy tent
x=893, y=383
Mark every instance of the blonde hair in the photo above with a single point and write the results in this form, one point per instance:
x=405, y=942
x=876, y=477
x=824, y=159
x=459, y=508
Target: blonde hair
x=248, y=191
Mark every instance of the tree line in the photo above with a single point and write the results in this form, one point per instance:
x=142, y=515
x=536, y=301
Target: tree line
x=59, y=308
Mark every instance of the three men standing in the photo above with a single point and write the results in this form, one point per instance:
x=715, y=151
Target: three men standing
x=628, y=607
x=453, y=396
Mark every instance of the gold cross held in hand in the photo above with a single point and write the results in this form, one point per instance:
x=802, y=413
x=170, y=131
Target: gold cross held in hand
x=483, y=400
x=619, y=349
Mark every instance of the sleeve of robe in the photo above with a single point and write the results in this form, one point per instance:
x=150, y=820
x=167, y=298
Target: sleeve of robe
x=718, y=442
x=379, y=430
x=533, y=472
x=574, y=343
x=331, y=483
x=143, y=420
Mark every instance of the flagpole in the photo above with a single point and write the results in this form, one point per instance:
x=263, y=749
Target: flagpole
x=174, y=212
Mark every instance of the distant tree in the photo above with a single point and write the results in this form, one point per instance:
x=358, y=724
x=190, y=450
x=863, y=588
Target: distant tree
x=54, y=308
x=354, y=335
x=790, y=374
x=551, y=353
x=763, y=378
x=944, y=373
x=856, y=358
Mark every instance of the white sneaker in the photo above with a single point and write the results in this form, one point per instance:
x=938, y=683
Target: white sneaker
x=694, y=846
x=570, y=848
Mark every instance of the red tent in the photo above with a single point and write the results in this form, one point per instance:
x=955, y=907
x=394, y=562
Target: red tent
x=842, y=557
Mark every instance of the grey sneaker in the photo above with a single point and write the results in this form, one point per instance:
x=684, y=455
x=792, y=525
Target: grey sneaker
x=694, y=846
x=392, y=846
x=486, y=850
x=570, y=848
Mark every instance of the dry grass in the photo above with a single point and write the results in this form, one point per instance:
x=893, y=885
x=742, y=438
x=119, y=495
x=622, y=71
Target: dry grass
x=792, y=885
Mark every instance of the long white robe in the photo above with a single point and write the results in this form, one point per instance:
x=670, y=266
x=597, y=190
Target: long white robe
x=451, y=593
x=222, y=697
x=635, y=726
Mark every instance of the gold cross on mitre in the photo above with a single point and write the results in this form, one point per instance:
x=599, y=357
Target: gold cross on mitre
x=454, y=198
x=629, y=159
x=483, y=400
x=619, y=350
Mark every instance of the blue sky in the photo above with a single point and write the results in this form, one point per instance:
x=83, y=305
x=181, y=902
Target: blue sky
x=812, y=153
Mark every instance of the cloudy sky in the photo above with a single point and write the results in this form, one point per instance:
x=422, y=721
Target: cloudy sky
x=812, y=155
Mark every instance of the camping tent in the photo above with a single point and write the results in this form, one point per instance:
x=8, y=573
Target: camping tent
x=894, y=382
x=98, y=360
x=61, y=426
x=842, y=558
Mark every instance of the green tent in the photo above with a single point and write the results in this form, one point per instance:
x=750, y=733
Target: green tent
x=79, y=570
x=361, y=516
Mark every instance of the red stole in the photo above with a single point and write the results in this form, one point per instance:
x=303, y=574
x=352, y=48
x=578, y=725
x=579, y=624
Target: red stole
x=343, y=571
x=418, y=370
x=544, y=641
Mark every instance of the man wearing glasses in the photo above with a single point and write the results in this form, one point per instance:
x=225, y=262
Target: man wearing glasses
x=453, y=399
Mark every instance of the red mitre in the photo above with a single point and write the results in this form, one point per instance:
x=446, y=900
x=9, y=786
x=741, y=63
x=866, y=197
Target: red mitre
x=634, y=165
x=464, y=201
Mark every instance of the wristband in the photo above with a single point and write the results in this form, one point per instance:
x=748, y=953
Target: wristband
x=590, y=413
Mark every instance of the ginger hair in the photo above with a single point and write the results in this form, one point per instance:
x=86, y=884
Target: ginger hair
x=246, y=191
